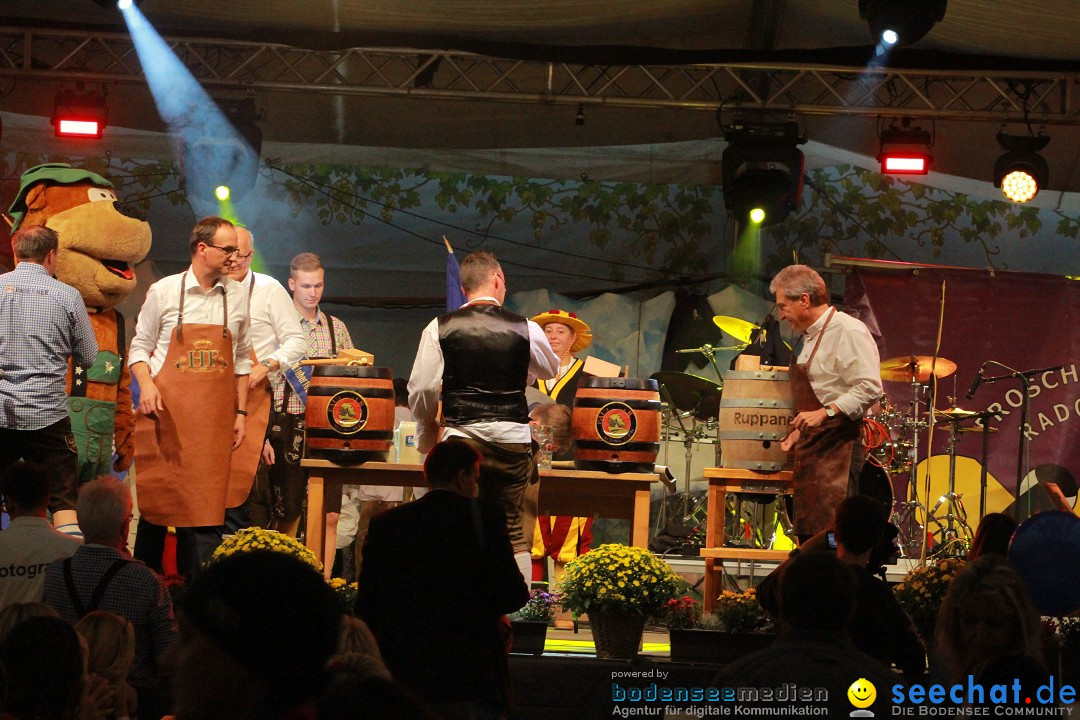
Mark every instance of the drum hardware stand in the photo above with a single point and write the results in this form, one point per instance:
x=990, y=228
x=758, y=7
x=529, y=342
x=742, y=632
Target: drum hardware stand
x=709, y=352
x=1025, y=410
x=955, y=531
x=687, y=513
x=911, y=538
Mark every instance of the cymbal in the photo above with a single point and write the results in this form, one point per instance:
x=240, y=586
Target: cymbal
x=915, y=368
x=691, y=393
x=735, y=327
x=976, y=428
x=954, y=415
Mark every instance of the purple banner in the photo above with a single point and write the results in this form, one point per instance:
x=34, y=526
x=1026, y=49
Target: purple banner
x=1020, y=320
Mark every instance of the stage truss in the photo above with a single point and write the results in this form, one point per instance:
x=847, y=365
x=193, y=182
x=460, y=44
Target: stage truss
x=985, y=96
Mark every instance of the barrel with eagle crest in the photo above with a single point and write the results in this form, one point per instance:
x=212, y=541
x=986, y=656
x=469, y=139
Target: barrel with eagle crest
x=616, y=423
x=350, y=413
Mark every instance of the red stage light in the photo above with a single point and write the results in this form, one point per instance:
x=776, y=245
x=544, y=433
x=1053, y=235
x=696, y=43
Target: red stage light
x=904, y=163
x=79, y=114
x=72, y=127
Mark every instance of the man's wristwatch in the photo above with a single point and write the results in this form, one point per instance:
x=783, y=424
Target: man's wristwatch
x=829, y=412
x=265, y=363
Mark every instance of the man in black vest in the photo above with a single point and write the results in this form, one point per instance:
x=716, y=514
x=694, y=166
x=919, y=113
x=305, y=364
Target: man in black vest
x=479, y=359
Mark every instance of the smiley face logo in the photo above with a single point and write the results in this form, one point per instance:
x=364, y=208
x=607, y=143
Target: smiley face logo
x=862, y=693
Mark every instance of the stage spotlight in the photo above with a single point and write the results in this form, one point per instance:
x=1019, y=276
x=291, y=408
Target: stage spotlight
x=123, y=4
x=579, y=119
x=79, y=114
x=222, y=192
x=1021, y=171
x=901, y=22
x=762, y=171
x=905, y=150
x=117, y=4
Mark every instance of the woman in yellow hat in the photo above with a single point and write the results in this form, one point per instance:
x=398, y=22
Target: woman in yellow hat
x=567, y=334
x=562, y=538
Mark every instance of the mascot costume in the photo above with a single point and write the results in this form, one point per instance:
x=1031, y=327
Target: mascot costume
x=101, y=241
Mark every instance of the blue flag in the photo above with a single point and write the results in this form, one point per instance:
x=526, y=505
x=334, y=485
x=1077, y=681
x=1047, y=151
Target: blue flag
x=454, y=297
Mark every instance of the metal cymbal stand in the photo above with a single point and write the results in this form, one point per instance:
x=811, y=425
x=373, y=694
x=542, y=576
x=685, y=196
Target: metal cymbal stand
x=906, y=519
x=954, y=532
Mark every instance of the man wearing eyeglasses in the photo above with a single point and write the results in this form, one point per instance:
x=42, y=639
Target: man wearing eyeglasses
x=277, y=341
x=191, y=356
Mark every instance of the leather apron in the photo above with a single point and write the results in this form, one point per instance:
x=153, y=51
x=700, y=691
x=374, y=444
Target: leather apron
x=822, y=454
x=184, y=452
x=245, y=459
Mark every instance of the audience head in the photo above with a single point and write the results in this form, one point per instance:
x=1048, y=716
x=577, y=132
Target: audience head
x=453, y=465
x=992, y=537
x=110, y=640
x=34, y=243
x=358, y=650
x=353, y=696
x=25, y=487
x=42, y=658
x=481, y=274
x=560, y=418
x=15, y=613
x=105, y=511
x=987, y=614
x=818, y=592
x=257, y=630
x=860, y=522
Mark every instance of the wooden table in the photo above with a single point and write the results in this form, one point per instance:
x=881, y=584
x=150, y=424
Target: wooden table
x=562, y=492
x=721, y=482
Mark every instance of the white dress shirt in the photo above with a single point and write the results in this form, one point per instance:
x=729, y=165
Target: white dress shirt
x=160, y=311
x=425, y=384
x=275, y=327
x=846, y=369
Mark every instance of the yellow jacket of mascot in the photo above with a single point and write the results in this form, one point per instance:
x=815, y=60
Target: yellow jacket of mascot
x=101, y=240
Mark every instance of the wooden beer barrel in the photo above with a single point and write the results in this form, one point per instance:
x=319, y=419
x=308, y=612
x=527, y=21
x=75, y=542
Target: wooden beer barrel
x=350, y=413
x=616, y=423
x=755, y=415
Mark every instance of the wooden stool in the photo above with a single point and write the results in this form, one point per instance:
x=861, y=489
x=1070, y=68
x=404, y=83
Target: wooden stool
x=721, y=482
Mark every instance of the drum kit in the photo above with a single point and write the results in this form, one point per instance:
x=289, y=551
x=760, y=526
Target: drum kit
x=891, y=437
x=691, y=408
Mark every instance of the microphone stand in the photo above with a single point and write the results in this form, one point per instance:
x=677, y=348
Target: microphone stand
x=1025, y=410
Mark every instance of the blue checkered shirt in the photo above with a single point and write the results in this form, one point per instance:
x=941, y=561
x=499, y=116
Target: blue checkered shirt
x=136, y=592
x=43, y=322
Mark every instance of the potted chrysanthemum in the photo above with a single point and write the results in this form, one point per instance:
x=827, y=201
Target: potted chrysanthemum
x=255, y=538
x=922, y=591
x=619, y=587
x=530, y=623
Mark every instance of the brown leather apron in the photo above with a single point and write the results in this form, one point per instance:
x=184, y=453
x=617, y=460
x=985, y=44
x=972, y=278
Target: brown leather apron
x=184, y=452
x=822, y=455
x=245, y=459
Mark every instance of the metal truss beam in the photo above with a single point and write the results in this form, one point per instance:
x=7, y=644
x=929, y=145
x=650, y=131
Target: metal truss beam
x=991, y=96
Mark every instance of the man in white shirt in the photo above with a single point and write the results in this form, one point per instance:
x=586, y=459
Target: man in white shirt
x=836, y=380
x=277, y=341
x=191, y=356
x=29, y=544
x=478, y=360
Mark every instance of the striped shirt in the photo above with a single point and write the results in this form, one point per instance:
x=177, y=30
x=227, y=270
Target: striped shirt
x=318, y=346
x=43, y=322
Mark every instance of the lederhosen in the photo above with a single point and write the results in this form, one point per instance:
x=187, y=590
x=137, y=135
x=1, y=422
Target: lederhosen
x=287, y=480
x=93, y=420
x=822, y=454
x=245, y=460
x=486, y=353
x=184, y=452
x=562, y=537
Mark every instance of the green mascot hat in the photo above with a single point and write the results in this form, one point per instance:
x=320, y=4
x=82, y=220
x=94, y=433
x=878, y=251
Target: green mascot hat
x=59, y=173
